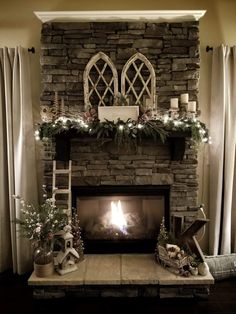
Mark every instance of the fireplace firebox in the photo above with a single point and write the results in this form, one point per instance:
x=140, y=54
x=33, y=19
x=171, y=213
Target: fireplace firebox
x=121, y=219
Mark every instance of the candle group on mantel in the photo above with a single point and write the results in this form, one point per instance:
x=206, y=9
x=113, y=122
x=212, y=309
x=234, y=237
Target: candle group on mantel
x=184, y=99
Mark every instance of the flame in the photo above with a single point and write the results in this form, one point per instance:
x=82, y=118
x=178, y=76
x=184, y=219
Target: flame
x=117, y=217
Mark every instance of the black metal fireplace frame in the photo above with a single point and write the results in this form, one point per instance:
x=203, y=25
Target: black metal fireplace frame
x=123, y=246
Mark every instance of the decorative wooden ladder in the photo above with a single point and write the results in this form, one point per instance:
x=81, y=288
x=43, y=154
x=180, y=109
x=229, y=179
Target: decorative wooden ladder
x=59, y=191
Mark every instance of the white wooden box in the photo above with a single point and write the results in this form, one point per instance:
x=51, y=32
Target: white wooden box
x=113, y=113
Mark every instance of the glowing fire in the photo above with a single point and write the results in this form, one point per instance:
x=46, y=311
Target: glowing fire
x=117, y=217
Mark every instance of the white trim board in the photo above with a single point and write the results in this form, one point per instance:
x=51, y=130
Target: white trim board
x=120, y=16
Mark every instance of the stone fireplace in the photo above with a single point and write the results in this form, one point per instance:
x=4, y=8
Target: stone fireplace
x=122, y=193
x=102, y=170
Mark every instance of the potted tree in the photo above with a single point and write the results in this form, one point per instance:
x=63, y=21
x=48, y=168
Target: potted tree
x=39, y=224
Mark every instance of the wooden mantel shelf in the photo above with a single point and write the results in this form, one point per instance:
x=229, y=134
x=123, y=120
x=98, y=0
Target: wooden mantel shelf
x=120, y=16
x=176, y=141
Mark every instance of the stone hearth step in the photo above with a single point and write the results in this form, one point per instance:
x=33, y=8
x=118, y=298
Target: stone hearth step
x=120, y=275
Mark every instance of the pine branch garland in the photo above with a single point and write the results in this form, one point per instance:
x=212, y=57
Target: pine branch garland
x=126, y=133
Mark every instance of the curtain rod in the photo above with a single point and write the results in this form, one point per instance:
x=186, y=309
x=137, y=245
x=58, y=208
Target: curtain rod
x=32, y=49
x=208, y=48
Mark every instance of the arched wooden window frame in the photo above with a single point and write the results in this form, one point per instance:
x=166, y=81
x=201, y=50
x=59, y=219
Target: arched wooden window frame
x=152, y=76
x=86, y=79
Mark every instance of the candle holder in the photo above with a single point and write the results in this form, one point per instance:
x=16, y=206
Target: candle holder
x=153, y=114
x=156, y=114
x=174, y=113
x=183, y=110
x=191, y=114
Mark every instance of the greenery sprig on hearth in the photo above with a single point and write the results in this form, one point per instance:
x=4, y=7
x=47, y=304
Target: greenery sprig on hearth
x=125, y=133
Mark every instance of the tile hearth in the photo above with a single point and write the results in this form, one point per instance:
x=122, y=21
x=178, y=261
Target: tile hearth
x=120, y=275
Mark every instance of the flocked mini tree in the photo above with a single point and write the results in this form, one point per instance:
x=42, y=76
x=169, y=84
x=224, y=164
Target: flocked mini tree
x=163, y=235
x=78, y=243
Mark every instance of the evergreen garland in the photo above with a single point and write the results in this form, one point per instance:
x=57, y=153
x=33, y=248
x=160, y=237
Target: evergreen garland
x=126, y=133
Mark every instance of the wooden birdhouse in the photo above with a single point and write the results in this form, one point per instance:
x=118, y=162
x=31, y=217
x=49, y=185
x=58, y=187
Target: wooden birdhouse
x=66, y=258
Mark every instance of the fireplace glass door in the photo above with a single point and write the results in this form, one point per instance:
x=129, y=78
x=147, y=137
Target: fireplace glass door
x=120, y=223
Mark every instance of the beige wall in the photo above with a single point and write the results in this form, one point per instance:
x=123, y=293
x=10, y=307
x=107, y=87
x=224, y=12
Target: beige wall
x=19, y=26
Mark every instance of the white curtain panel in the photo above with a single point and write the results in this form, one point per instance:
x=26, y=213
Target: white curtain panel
x=17, y=156
x=222, y=150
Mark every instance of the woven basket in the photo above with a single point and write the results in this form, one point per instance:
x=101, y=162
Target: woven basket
x=166, y=261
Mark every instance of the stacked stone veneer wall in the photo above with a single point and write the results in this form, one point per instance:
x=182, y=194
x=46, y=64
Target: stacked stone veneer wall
x=173, y=50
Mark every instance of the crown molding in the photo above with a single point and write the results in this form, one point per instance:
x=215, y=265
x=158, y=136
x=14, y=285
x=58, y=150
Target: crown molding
x=120, y=16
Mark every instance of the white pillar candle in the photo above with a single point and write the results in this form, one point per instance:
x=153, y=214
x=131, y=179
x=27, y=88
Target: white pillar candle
x=174, y=103
x=192, y=106
x=184, y=98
